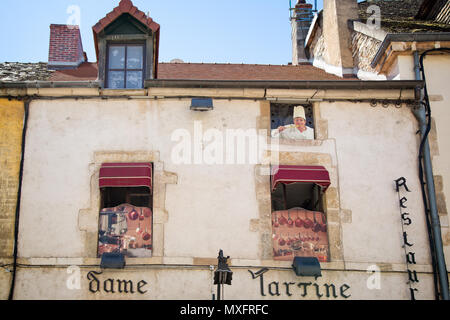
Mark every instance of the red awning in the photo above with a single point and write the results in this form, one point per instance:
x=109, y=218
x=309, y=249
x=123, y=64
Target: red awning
x=126, y=175
x=292, y=174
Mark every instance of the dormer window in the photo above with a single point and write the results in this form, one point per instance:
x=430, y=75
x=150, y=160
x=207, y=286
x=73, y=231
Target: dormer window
x=126, y=43
x=126, y=66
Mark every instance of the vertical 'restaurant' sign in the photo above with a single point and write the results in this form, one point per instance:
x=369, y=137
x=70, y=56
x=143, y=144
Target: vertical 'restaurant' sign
x=413, y=279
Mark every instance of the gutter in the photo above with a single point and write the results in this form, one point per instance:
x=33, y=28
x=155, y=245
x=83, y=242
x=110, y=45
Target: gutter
x=48, y=84
x=219, y=84
x=283, y=84
x=408, y=37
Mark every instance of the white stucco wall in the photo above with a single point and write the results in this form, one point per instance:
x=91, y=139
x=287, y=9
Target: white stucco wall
x=437, y=68
x=376, y=146
x=197, y=284
x=212, y=206
x=402, y=69
x=62, y=138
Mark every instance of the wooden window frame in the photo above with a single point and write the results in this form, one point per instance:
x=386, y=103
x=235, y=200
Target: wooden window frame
x=125, y=69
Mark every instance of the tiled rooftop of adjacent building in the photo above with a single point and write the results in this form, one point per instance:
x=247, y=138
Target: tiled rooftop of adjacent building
x=398, y=16
x=186, y=71
x=407, y=15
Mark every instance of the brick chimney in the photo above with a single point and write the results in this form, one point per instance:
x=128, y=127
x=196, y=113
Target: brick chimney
x=337, y=35
x=300, y=23
x=66, y=48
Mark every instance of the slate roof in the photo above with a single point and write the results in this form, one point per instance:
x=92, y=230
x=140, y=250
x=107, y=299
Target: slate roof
x=436, y=10
x=399, y=16
x=17, y=71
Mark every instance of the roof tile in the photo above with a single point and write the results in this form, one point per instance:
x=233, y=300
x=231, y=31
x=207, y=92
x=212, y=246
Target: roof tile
x=125, y=6
x=88, y=71
x=398, y=16
x=212, y=71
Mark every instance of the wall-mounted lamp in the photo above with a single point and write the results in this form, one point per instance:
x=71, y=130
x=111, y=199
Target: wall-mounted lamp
x=112, y=261
x=307, y=267
x=223, y=275
x=202, y=104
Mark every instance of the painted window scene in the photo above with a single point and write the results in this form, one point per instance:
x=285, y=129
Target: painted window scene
x=294, y=122
x=299, y=224
x=125, y=222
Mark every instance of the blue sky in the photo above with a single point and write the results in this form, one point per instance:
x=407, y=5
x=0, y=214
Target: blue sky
x=231, y=31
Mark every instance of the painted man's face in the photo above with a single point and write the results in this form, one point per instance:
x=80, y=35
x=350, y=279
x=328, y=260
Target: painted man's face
x=299, y=122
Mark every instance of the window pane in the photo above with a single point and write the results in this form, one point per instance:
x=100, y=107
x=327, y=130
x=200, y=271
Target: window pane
x=116, y=79
x=135, y=57
x=134, y=79
x=117, y=57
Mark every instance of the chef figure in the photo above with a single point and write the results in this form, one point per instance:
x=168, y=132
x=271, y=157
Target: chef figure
x=296, y=131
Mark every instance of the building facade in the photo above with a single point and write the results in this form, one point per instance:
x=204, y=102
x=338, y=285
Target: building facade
x=130, y=159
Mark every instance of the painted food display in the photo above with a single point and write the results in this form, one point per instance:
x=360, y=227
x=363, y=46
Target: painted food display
x=126, y=229
x=299, y=233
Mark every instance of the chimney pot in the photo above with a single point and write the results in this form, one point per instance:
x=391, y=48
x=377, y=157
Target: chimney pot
x=301, y=22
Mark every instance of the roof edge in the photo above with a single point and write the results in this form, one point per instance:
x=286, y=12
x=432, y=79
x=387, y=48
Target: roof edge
x=408, y=37
x=48, y=84
x=286, y=84
x=261, y=84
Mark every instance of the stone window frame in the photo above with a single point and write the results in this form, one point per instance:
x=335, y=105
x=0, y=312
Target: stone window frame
x=88, y=219
x=336, y=215
x=320, y=127
x=332, y=210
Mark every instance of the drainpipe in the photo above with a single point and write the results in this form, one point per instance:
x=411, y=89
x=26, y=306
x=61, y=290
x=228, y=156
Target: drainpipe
x=436, y=245
x=26, y=105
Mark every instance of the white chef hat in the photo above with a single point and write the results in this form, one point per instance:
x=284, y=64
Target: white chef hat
x=299, y=112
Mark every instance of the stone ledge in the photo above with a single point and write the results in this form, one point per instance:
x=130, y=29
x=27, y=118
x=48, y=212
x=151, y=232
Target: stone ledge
x=236, y=263
x=207, y=262
x=387, y=267
x=298, y=143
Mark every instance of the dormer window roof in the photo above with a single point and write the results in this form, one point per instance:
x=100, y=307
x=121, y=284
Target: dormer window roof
x=127, y=46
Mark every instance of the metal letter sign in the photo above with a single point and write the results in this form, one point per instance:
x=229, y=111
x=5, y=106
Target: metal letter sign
x=407, y=244
x=300, y=289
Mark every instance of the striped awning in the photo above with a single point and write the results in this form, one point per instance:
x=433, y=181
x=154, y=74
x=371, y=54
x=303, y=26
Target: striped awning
x=293, y=174
x=126, y=175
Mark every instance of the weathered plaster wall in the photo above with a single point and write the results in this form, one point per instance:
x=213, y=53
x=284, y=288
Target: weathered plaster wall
x=437, y=69
x=402, y=69
x=11, y=126
x=336, y=32
x=201, y=208
x=63, y=138
x=196, y=284
x=376, y=146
